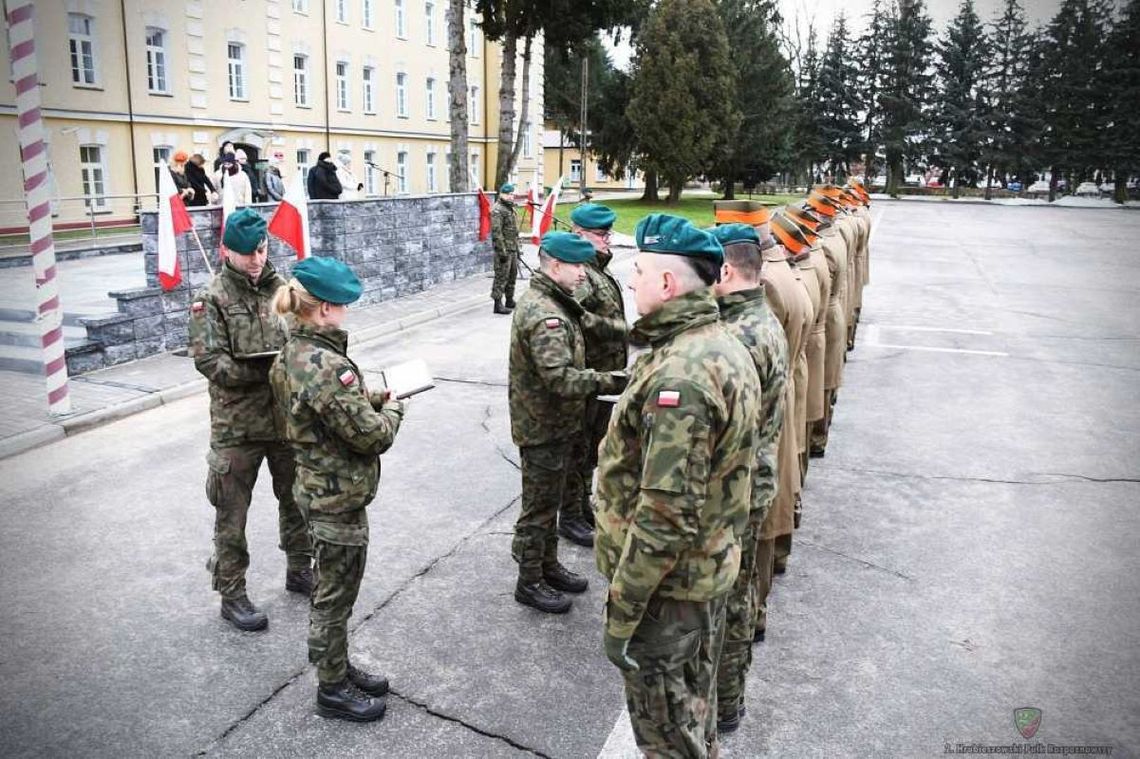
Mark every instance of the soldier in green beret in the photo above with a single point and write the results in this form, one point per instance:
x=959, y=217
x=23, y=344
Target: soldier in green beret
x=744, y=310
x=606, y=333
x=338, y=429
x=549, y=385
x=233, y=339
x=674, y=491
x=505, y=244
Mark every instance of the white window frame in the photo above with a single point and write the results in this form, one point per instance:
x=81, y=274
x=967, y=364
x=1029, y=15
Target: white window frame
x=528, y=140
x=473, y=104
x=447, y=171
x=301, y=80
x=161, y=154
x=401, y=20
x=430, y=171
x=575, y=170
x=473, y=169
x=301, y=6
x=401, y=94
x=402, y=172
x=93, y=176
x=235, y=71
x=429, y=91
x=303, y=164
x=369, y=172
x=81, y=47
x=599, y=175
x=343, y=99
x=368, y=88
x=340, y=11
x=429, y=23
x=473, y=37
x=157, y=81
x=368, y=14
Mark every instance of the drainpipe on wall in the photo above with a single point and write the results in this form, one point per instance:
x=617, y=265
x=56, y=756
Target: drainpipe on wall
x=486, y=117
x=325, y=56
x=130, y=103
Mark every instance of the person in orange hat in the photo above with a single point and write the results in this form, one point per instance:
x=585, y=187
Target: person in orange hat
x=178, y=171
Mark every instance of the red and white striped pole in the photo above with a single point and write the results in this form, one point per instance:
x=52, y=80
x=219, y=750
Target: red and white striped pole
x=33, y=152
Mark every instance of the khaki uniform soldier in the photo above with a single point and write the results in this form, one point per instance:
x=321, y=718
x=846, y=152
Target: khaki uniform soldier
x=835, y=250
x=233, y=338
x=607, y=349
x=338, y=430
x=849, y=229
x=549, y=385
x=744, y=310
x=854, y=203
x=505, y=244
x=674, y=491
x=805, y=267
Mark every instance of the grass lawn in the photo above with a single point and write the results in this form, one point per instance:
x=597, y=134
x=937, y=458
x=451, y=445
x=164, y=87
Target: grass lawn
x=698, y=208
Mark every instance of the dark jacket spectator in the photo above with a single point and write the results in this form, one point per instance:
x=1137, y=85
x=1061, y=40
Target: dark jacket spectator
x=199, y=180
x=227, y=149
x=323, y=184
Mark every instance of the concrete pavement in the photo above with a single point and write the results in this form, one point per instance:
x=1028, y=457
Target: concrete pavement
x=968, y=545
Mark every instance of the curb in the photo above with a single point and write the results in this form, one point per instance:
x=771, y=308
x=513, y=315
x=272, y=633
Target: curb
x=55, y=431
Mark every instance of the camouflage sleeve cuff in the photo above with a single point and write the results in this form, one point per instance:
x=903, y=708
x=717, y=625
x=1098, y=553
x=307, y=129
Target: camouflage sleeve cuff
x=621, y=623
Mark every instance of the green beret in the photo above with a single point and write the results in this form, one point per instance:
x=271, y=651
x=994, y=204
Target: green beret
x=662, y=233
x=328, y=279
x=245, y=230
x=507, y=188
x=736, y=232
x=567, y=247
x=592, y=216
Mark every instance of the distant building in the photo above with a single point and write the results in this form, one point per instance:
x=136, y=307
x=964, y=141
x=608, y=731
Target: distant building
x=562, y=158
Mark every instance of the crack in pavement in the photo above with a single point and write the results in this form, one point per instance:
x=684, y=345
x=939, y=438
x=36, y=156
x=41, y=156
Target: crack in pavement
x=502, y=454
x=468, y=725
x=1064, y=478
x=864, y=562
x=114, y=383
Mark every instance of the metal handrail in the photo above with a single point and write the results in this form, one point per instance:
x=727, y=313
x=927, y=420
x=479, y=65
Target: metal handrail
x=21, y=201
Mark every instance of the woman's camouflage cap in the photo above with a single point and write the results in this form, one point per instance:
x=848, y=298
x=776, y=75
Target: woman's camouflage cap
x=329, y=280
x=593, y=216
x=664, y=233
x=245, y=231
x=567, y=247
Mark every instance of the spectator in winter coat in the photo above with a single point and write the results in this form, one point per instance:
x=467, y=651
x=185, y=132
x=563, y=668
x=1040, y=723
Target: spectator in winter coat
x=323, y=184
x=238, y=181
x=181, y=182
x=251, y=173
x=351, y=187
x=204, y=190
x=272, y=185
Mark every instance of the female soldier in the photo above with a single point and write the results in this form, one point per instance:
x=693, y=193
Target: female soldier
x=338, y=430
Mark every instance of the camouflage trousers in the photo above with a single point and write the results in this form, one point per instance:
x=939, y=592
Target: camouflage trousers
x=821, y=428
x=340, y=543
x=581, y=480
x=762, y=574
x=230, y=479
x=545, y=472
x=506, y=272
x=672, y=696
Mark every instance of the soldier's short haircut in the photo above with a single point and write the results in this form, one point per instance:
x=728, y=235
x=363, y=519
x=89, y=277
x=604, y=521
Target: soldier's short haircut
x=705, y=268
x=545, y=259
x=693, y=272
x=744, y=257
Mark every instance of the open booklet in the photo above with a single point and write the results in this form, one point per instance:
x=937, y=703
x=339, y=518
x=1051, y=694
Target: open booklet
x=408, y=378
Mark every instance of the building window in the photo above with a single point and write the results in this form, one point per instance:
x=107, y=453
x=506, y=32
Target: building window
x=402, y=95
x=81, y=40
x=341, y=7
x=429, y=22
x=366, y=14
x=430, y=92
x=341, y=86
x=161, y=160
x=402, y=172
x=401, y=25
x=369, y=75
x=473, y=106
x=300, y=6
x=301, y=80
x=575, y=170
x=369, y=172
x=156, y=60
x=93, y=172
x=528, y=141
x=473, y=35
x=431, y=172
x=235, y=54
x=474, y=173
x=303, y=165
x=599, y=175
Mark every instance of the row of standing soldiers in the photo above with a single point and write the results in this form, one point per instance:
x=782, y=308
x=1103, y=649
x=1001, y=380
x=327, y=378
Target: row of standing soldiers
x=701, y=461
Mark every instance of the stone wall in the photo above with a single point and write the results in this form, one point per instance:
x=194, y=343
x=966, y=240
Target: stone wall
x=397, y=246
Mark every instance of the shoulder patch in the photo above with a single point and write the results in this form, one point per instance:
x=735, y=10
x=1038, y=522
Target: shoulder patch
x=197, y=307
x=553, y=323
x=347, y=377
x=669, y=398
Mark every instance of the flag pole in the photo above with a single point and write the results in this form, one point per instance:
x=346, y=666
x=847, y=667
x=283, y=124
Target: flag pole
x=202, y=250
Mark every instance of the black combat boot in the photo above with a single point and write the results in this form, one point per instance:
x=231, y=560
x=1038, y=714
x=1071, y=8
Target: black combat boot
x=758, y=636
x=242, y=614
x=499, y=307
x=344, y=701
x=729, y=724
x=542, y=597
x=561, y=578
x=816, y=452
x=300, y=581
x=509, y=303
x=576, y=531
x=588, y=515
x=373, y=685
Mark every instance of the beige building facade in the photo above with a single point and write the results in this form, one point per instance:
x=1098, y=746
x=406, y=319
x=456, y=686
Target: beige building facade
x=562, y=159
x=127, y=83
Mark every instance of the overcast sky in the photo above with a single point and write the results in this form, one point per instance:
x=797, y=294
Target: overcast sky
x=821, y=13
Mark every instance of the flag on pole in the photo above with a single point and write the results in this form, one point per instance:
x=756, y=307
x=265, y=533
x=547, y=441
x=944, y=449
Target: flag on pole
x=229, y=205
x=173, y=220
x=533, y=195
x=484, y=215
x=545, y=218
x=290, y=221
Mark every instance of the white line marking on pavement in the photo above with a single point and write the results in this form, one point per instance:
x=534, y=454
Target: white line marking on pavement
x=934, y=350
x=621, y=744
x=913, y=328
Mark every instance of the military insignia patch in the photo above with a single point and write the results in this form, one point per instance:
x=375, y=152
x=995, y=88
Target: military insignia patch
x=347, y=378
x=198, y=307
x=1027, y=719
x=553, y=323
x=669, y=398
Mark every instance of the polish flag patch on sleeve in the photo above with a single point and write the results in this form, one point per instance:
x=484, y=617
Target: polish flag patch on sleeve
x=198, y=307
x=347, y=378
x=669, y=398
x=553, y=323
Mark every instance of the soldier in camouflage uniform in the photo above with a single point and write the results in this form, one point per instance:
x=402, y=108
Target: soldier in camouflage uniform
x=338, y=430
x=233, y=338
x=505, y=243
x=606, y=332
x=744, y=310
x=674, y=491
x=549, y=385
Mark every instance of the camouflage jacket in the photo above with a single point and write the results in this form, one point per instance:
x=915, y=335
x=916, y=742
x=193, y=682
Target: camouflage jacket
x=748, y=317
x=675, y=467
x=337, y=429
x=230, y=320
x=604, y=325
x=549, y=381
x=504, y=228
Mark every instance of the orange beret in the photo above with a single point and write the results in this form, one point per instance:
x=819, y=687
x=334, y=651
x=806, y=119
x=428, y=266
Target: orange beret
x=741, y=212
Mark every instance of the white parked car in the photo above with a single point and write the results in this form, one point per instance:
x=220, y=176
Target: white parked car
x=1041, y=185
x=1088, y=188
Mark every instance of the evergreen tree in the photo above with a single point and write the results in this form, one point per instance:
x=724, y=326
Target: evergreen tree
x=808, y=143
x=963, y=58
x=1122, y=79
x=906, y=92
x=1006, y=151
x=871, y=47
x=837, y=103
x=682, y=107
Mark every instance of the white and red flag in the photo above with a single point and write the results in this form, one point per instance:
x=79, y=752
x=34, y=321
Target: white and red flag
x=290, y=221
x=484, y=215
x=173, y=220
x=545, y=217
